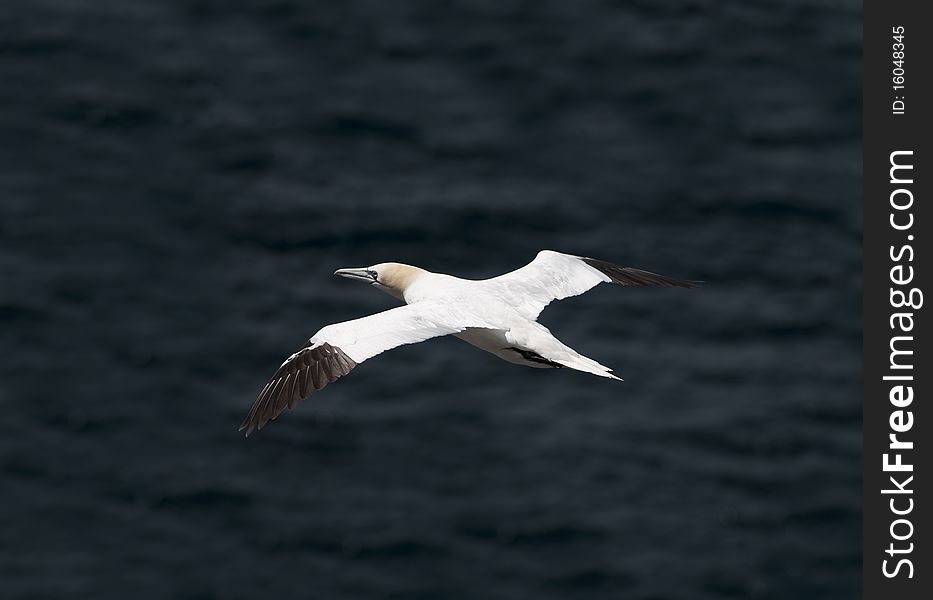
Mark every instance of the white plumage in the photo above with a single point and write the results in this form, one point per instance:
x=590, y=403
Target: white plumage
x=497, y=315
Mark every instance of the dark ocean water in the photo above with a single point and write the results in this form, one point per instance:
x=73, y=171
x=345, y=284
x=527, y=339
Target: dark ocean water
x=178, y=181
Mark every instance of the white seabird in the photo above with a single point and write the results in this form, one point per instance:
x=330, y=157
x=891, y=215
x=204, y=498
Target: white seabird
x=498, y=315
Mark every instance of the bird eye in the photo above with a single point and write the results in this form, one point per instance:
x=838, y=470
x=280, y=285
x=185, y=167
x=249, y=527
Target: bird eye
x=373, y=274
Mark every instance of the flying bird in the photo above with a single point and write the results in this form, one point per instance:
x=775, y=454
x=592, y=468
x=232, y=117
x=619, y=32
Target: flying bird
x=498, y=315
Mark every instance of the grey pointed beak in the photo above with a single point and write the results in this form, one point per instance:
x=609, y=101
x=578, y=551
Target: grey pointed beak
x=366, y=275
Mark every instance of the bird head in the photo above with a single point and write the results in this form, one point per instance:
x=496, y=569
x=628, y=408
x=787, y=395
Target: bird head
x=391, y=278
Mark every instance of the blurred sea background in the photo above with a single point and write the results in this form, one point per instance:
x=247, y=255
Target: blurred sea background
x=179, y=180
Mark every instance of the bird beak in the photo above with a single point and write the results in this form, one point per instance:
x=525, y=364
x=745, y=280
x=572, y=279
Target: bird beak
x=358, y=274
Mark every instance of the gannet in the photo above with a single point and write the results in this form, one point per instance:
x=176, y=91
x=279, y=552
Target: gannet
x=498, y=315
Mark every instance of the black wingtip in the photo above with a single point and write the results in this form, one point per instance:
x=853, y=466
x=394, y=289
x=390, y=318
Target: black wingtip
x=309, y=369
x=686, y=283
x=630, y=276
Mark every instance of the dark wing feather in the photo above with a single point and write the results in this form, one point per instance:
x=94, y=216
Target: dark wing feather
x=311, y=368
x=632, y=276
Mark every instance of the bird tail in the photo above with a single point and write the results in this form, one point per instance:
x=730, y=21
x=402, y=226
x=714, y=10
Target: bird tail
x=537, y=338
x=587, y=365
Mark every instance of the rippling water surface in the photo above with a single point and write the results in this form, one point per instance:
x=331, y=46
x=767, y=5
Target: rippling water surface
x=178, y=181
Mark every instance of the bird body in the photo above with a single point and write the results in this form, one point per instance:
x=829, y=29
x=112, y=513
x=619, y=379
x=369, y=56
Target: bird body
x=498, y=315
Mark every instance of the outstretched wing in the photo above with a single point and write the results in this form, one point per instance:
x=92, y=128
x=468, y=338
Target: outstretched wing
x=336, y=349
x=555, y=276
